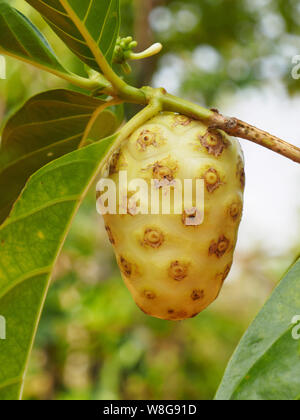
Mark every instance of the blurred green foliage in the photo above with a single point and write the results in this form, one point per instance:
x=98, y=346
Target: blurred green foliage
x=93, y=342
x=215, y=47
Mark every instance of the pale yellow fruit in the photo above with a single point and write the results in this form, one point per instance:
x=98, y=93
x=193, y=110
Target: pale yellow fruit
x=174, y=270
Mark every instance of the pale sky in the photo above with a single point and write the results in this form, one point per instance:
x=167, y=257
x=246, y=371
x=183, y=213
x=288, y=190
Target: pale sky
x=272, y=198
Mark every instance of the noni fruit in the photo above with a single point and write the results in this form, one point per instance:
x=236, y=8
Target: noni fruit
x=174, y=264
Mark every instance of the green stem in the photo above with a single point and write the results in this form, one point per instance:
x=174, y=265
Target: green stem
x=174, y=104
x=121, y=88
x=98, y=82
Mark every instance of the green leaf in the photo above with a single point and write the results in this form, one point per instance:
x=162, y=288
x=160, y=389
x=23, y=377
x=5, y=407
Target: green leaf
x=48, y=126
x=30, y=241
x=84, y=26
x=266, y=364
x=22, y=40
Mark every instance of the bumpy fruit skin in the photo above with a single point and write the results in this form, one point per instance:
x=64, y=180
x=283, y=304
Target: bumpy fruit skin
x=174, y=270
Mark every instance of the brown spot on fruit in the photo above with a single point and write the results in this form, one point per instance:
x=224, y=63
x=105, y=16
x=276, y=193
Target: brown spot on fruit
x=146, y=138
x=110, y=235
x=212, y=180
x=235, y=211
x=223, y=246
x=240, y=172
x=192, y=217
x=165, y=170
x=219, y=248
x=178, y=271
x=153, y=238
x=214, y=142
x=182, y=314
x=197, y=294
x=149, y=295
x=125, y=266
x=226, y=272
x=182, y=120
x=177, y=315
x=156, y=155
x=113, y=167
x=221, y=277
x=162, y=172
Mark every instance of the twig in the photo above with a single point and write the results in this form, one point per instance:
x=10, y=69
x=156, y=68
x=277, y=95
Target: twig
x=238, y=128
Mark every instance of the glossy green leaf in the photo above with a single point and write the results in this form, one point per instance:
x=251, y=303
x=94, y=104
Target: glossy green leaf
x=21, y=39
x=30, y=240
x=48, y=126
x=266, y=364
x=93, y=24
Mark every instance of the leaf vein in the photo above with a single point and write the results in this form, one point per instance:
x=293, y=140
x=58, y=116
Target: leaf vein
x=88, y=11
x=41, y=123
x=53, y=8
x=104, y=23
x=38, y=210
x=27, y=276
x=35, y=152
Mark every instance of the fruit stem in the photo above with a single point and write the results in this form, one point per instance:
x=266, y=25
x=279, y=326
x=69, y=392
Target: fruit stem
x=238, y=128
x=231, y=126
x=174, y=104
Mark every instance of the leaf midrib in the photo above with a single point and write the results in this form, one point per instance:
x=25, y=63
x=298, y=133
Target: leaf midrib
x=17, y=39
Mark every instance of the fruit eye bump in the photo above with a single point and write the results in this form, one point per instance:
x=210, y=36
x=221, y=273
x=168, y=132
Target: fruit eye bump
x=174, y=258
x=170, y=184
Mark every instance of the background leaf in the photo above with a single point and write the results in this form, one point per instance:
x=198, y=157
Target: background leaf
x=100, y=18
x=266, y=364
x=21, y=39
x=48, y=126
x=30, y=241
